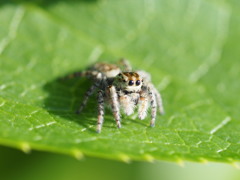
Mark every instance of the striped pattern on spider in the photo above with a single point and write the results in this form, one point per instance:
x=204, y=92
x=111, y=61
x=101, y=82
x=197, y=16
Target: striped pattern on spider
x=122, y=89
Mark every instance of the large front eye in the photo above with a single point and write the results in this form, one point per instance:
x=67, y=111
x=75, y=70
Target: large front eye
x=131, y=82
x=138, y=82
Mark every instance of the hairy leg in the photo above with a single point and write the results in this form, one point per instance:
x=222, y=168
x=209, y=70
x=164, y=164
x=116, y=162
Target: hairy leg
x=153, y=105
x=143, y=105
x=126, y=65
x=115, y=105
x=147, y=80
x=146, y=76
x=100, y=111
x=159, y=100
x=88, y=73
x=86, y=98
x=90, y=92
x=75, y=75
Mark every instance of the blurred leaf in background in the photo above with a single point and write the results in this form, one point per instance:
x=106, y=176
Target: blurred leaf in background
x=37, y=166
x=189, y=46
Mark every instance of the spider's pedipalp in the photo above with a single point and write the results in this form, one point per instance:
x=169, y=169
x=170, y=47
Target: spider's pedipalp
x=100, y=111
x=126, y=103
x=115, y=105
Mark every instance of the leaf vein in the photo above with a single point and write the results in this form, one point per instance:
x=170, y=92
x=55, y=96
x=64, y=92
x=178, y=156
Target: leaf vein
x=13, y=28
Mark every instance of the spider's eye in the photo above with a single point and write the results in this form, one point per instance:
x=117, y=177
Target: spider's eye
x=138, y=82
x=131, y=82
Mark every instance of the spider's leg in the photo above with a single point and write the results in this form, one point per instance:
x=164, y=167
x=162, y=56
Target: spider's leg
x=146, y=76
x=159, y=101
x=99, y=79
x=147, y=79
x=153, y=104
x=86, y=97
x=126, y=65
x=92, y=74
x=100, y=111
x=115, y=104
x=75, y=74
x=143, y=105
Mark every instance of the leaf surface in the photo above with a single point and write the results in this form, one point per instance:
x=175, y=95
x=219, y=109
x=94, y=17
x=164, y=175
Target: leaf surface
x=189, y=47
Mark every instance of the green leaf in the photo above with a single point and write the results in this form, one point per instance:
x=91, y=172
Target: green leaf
x=190, y=47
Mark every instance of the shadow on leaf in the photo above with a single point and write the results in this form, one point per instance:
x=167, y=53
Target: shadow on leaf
x=65, y=97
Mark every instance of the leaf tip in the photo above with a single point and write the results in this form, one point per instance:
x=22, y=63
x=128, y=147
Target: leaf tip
x=25, y=147
x=203, y=160
x=77, y=154
x=235, y=164
x=125, y=158
x=180, y=162
x=149, y=158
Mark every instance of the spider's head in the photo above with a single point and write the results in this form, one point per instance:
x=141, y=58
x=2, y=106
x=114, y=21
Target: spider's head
x=128, y=82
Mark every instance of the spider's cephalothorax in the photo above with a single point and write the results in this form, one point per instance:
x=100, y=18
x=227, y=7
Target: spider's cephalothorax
x=128, y=82
x=123, y=89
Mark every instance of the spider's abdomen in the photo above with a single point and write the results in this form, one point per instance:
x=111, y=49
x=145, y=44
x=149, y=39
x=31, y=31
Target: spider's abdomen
x=109, y=70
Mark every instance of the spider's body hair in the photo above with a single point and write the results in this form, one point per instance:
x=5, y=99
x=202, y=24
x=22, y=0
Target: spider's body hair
x=108, y=70
x=128, y=101
x=122, y=89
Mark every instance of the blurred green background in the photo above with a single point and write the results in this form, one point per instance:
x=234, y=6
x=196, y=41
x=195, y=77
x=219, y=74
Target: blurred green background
x=15, y=165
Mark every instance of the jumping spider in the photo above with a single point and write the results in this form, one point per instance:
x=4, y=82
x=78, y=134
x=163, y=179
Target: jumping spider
x=121, y=88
